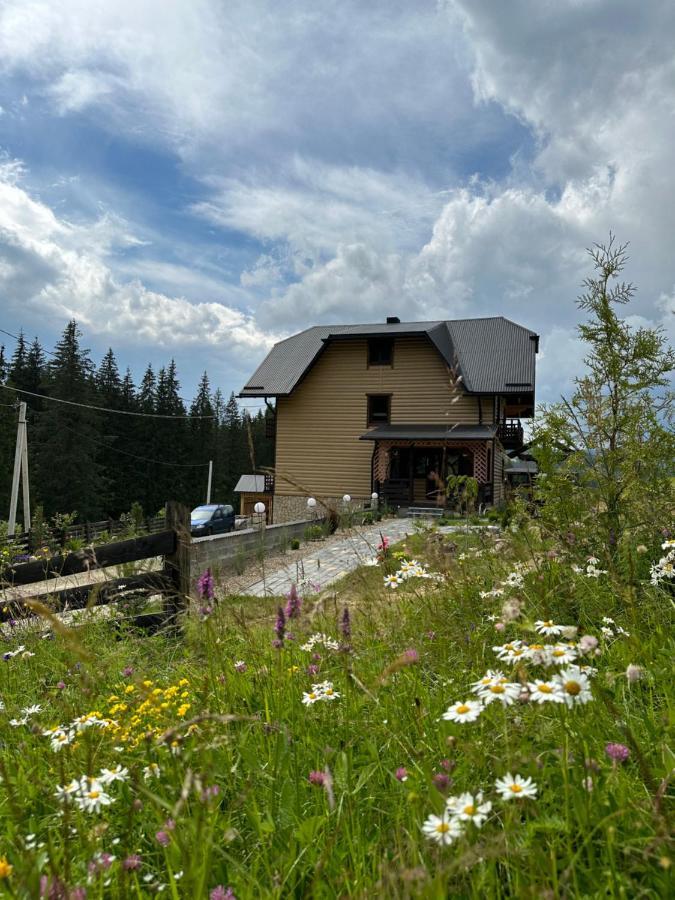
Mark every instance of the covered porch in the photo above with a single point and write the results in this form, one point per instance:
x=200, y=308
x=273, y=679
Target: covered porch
x=411, y=463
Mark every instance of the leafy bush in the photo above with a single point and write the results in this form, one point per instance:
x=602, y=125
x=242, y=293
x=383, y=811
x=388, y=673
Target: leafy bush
x=295, y=544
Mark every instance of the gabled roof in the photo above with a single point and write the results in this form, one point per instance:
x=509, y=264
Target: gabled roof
x=492, y=355
x=250, y=484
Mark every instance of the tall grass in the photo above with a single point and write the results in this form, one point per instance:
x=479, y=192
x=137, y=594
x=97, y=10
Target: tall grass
x=233, y=804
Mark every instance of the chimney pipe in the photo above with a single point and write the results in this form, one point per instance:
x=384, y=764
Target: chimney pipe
x=393, y=320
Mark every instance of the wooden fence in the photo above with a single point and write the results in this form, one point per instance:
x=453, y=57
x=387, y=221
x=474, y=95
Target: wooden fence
x=172, y=580
x=27, y=541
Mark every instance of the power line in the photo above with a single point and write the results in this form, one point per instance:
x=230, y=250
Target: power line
x=157, y=462
x=120, y=412
x=17, y=338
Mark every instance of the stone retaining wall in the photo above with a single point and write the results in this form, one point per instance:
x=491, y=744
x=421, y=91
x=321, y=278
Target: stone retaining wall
x=291, y=507
x=221, y=552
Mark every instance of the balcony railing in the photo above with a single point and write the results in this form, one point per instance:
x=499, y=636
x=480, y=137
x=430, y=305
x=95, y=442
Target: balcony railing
x=510, y=433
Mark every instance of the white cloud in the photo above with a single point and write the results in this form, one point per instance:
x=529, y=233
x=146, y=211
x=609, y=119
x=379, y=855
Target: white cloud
x=325, y=133
x=59, y=270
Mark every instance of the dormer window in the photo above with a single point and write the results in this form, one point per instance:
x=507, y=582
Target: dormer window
x=380, y=352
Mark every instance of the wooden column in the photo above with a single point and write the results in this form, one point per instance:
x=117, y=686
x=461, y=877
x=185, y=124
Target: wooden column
x=177, y=564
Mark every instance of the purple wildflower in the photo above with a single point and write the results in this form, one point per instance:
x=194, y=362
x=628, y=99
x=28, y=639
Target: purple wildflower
x=206, y=586
x=411, y=655
x=441, y=782
x=170, y=825
x=317, y=778
x=222, y=893
x=346, y=625
x=163, y=838
x=127, y=671
x=52, y=888
x=312, y=669
x=617, y=752
x=279, y=629
x=401, y=773
x=293, y=603
x=588, y=643
x=240, y=666
x=132, y=862
x=61, y=685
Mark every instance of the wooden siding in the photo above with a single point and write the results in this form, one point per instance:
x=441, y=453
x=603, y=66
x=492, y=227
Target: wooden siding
x=319, y=425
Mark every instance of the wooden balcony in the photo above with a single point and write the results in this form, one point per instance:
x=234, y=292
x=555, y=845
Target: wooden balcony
x=510, y=434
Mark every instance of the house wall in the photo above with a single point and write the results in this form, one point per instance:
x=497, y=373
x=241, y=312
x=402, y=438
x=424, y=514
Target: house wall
x=318, y=450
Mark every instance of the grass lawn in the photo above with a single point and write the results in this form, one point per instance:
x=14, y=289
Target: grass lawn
x=207, y=764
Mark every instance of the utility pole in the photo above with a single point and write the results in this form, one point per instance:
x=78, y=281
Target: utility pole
x=20, y=471
x=208, y=487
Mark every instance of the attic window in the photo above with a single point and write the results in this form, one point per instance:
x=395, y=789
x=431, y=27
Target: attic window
x=380, y=352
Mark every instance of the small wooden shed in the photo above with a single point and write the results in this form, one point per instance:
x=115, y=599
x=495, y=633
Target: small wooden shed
x=251, y=489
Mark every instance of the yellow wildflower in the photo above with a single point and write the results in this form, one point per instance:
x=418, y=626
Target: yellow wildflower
x=5, y=868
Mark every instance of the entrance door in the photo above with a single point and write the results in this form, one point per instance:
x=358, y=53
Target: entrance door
x=427, y=477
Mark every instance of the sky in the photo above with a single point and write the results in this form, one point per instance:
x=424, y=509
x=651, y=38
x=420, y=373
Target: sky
x=199, y=178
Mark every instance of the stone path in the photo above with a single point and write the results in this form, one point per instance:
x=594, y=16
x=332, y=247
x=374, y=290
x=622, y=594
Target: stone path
x=330, y=562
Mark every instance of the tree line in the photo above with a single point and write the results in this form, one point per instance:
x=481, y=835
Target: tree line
x=97, y=462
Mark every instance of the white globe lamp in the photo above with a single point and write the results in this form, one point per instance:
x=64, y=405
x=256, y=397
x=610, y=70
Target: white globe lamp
x=311, y=502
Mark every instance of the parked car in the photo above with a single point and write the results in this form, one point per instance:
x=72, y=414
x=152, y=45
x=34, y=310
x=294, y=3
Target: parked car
x=212, y=519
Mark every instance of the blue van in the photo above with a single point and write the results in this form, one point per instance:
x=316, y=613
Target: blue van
x=212, y=519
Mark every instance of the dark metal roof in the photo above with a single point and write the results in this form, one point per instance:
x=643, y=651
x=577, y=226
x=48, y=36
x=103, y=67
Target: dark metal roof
x=522, y=467
x=492, y=355
x=430, y=433
x=250, y=484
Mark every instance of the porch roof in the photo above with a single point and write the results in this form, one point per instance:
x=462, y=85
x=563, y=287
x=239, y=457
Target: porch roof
x=430, y=433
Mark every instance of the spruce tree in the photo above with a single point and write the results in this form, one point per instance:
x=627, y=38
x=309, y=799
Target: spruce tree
x=606, y=453
x=109, y=396
x=68, y=473
x=202, y=438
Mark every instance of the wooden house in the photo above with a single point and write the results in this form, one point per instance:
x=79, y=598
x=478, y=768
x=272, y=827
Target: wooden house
x=395, y=408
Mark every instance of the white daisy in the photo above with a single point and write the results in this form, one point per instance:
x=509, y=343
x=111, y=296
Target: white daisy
x=93, y=798
x=442, y=829
x=503, y=650
x=546, y=626
x=561, y=654
x=490, y=677
x=31, y=710
x=502, y=690
x=515, y=787
x=575, y=686
x=151, y=771
x=65, y=793
x=108, y=776
x=326, y=690
x=59, y=738
x=468, y=711
x=546, y=692
x=310, y=697
x=537, y=653
x=469, y=808
x=392, y=581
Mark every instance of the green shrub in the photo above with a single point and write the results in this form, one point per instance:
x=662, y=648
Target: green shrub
x=295, y=544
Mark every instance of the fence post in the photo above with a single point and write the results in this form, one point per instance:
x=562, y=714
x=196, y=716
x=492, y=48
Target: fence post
x=177, y=564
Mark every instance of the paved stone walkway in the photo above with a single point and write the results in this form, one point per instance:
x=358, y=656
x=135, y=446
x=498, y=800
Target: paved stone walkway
x=328, y=563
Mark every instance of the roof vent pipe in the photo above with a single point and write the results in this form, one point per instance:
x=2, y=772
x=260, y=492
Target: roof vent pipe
x=393, y=320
